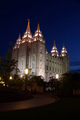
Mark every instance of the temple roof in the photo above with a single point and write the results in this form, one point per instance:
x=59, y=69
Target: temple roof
x=54, y=50
x=63, y=51
x=38, y=28
x=28, y=27
x=28, y=33
x=18, y=42
x=38, y=35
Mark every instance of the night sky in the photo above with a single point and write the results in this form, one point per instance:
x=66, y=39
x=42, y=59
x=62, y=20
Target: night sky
x=59, y=20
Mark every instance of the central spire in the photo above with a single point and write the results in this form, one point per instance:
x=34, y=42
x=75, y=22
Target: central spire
x=54, y=45
x=28, y=26
x=38, y=28
x=19, y=36
x=27, y=34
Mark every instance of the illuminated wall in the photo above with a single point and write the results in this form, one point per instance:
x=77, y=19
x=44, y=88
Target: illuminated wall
x=30, y=51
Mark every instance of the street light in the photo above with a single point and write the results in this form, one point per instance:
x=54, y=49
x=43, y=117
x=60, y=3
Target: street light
x=26, y=71
x=26, y=75
x=10, y=77
x=57, y=76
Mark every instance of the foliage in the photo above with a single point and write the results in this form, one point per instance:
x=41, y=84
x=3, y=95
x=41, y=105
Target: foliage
x=70, y=81
x=37, y=79
x=30, y=80
x=7, y=65
x=16, y=81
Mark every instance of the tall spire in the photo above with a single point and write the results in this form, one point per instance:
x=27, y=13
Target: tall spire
x=27, y=34
x=28, y=26
x=63, y=51
x=18, y=42
x=19, y=36
x=38, y=28
x=63, y=45
x=54, y=50
x=54, y=45
x=38, y=35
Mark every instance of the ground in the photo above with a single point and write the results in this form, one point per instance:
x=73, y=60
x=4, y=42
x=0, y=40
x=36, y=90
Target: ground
x=67, y=108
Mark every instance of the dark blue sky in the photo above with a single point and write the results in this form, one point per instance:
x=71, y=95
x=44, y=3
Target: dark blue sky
x=59, y=20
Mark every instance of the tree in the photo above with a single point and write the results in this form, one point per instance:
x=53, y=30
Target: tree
x=70, y=81
x=35, y=79
x=17, y=81
x=7, y=65
x=39, y=80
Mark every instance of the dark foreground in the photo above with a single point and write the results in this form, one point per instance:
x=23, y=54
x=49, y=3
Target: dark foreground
x=13, y=97
x=67, y=108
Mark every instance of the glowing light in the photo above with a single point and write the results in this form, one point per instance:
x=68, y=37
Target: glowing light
x=29, y=41
x=35, y=39
x=62, y=54
x=63, y=51
x=36, y=34
x=26, y=71
x=3, y=84
x=21, y=75
x=23, y=41
x=53, y=51
x=0, y=78
x=57, y=76
x=38, y=31
x=10, y=77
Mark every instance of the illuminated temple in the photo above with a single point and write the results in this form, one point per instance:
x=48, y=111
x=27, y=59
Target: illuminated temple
x=30, y=51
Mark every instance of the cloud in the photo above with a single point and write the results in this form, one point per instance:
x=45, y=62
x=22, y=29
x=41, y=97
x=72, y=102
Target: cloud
x=77, y=63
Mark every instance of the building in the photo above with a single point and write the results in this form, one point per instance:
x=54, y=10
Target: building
x=30, y=51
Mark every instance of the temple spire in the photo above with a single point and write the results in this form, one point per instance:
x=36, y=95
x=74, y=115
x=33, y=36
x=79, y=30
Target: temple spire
x=54, y=50
x=54, y=45
x=63, y=45
x=28, y=26
x=18, y=42
x=63, y=51
x=19, y=36
x=38, y=28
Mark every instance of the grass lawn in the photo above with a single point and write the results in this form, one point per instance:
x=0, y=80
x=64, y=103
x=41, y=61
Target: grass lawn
x=67, y=108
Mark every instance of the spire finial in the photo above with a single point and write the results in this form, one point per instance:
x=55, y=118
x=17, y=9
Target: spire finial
x=28, y=20
x=63, y=45
x=28, y=26
x=54, y=45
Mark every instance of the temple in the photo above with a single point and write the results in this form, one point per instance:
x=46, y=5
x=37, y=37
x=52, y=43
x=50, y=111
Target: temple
x=30, y=51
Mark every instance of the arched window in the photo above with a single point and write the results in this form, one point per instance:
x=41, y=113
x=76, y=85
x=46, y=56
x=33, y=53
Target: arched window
x=33, y=57
x=41, y=65
x=34, y=50
x=40, y=57
x=33, y=65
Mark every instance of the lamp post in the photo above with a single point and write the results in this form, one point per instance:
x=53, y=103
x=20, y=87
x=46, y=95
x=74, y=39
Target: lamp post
x=57, y=77
x=26, y=75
